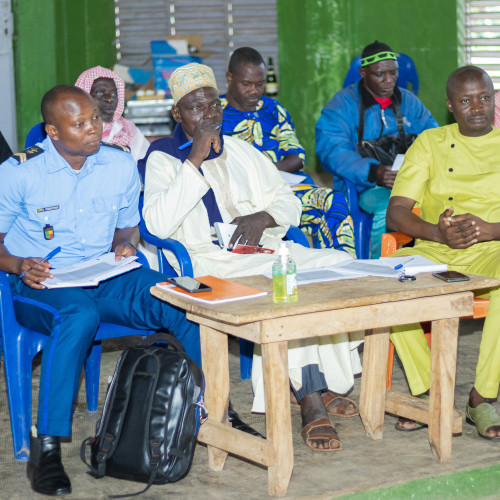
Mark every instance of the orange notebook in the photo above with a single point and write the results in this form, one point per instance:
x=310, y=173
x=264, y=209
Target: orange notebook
x=222, y=291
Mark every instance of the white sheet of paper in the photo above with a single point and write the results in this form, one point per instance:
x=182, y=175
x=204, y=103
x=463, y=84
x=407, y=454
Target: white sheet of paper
x=292, y=179
x=91, y=272
x=224, y=233
x=398, y=161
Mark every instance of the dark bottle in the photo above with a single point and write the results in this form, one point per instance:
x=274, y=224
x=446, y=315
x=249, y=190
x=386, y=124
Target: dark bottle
x=271, y=80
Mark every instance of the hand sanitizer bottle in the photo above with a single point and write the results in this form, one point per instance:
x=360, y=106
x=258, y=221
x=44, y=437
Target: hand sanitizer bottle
x=284, y=277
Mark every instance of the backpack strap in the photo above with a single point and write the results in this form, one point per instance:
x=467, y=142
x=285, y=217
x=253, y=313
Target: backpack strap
x=155, y=446
x=397, y=112
x=163, y=337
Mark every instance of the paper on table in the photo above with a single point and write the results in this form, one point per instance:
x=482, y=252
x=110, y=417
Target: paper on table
x=345, y=270
x=398, y=162
x=91, y=272
x=367, y=267
x=292, y=179
x=414, y=264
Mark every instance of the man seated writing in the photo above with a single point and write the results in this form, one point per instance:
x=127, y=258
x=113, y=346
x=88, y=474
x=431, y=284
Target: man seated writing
x=80, y=194
x=453, y=173
x=267, y=125
x=223, y=179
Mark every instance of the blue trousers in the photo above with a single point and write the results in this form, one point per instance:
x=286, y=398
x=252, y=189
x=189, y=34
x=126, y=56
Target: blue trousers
x=374, y=201
x=123, y=300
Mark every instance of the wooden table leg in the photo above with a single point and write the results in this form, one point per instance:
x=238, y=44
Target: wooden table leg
x=372, y=398
x=278, y=415
x=442, y=393
x=214, y=358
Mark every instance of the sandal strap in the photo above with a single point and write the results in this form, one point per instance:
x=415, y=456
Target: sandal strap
x=328, y=398
x=320, y=422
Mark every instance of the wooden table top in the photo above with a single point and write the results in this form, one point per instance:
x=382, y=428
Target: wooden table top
x=325, y=296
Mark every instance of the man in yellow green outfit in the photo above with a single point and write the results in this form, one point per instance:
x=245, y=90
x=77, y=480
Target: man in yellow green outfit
x=453, y=172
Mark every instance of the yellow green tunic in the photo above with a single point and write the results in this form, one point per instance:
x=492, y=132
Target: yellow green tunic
x=444, y=168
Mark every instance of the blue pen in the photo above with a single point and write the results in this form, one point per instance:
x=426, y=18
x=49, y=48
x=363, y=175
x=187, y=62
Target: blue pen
x=47, y=257
x=188, y=143
x=400, y=266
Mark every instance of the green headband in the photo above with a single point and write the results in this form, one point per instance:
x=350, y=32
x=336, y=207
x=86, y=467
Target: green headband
x=380, y=56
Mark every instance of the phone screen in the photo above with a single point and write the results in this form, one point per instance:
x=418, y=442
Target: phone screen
x=189, y=284
x=451, y=276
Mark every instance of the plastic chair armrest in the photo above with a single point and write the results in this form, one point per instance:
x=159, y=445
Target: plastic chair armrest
x=297, y=236
x=392, y=241
x=174, y=246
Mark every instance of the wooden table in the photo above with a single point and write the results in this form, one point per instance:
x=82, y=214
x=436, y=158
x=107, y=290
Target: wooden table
x=371, y=304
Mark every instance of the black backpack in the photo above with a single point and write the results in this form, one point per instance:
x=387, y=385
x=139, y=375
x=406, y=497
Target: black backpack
x=151, y=416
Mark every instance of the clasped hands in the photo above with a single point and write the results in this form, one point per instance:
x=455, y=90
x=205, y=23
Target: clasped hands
x=463, y=231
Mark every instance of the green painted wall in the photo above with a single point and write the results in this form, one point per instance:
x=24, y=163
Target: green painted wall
x=319, y=38
x=55, y=40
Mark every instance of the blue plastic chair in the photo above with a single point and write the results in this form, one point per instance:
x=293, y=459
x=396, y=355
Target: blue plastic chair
x=186, y=268
x=20, y=345
x=361, y=221
x=407, y=73
x=36, y=134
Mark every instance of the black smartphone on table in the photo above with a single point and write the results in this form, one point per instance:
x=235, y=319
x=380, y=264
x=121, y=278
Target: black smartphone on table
x=189, y=284
x=450, y=276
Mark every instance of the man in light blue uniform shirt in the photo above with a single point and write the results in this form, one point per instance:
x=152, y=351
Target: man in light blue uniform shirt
x=72, y=191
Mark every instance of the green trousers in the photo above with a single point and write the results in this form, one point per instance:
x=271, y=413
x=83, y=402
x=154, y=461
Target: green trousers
x=482, y=259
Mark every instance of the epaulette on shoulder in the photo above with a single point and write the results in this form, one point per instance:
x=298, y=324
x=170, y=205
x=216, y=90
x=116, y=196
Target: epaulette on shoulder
x=117, y=146
x=27, y=154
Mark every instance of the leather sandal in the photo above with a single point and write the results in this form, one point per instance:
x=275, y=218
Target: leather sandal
x=484, y=416
x=329, y=397
x=418, y=425
x=308, y=438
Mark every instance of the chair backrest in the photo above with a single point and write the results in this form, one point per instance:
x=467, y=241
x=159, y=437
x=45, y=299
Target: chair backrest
x=407, y=73
x=362, y=222
x=36, y=134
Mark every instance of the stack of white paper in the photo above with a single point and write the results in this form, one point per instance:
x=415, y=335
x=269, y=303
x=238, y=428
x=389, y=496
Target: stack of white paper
x=91, y=272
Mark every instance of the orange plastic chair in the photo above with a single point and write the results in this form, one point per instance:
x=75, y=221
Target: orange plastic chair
x=390, y=243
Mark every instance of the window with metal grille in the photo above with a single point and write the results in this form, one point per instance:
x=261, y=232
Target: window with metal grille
x=224, y=24
x=483, y=36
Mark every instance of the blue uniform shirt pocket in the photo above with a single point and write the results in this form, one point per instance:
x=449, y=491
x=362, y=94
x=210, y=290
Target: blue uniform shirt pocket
x=106, y=210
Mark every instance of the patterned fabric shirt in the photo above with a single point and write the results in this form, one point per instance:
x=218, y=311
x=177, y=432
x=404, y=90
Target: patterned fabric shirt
x=269, y=128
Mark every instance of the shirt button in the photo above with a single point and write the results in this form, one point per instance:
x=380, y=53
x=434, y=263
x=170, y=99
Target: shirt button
x=450, y=170
x=451, y=198
x=46, y=218
x=84, y=240
x=81, y=210
x=453, y=145
x=114, y=207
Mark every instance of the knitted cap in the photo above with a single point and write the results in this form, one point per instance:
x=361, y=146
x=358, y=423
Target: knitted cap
x=190, y=77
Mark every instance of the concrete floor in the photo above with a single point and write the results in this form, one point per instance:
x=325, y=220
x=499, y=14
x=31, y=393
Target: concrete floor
x=362, y=465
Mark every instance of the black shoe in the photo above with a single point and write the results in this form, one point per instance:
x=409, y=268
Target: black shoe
x=45, y=469
x=237, y=423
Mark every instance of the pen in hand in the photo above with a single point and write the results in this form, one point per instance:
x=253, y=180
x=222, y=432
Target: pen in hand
x=188, y=143
x=47, y=257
